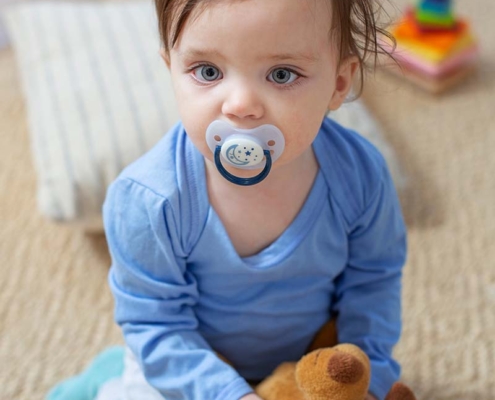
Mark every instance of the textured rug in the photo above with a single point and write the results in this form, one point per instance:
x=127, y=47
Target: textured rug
x=56, y=309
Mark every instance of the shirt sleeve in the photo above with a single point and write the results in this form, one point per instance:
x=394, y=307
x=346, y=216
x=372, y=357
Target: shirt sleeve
x=368, y=292
x=155, y=297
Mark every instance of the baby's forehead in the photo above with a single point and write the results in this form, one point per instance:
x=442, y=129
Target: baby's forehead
x=273, y=13
x=278, y=29
x=283, y=30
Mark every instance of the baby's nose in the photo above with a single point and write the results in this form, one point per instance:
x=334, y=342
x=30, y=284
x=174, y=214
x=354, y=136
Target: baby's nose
x=243, y=102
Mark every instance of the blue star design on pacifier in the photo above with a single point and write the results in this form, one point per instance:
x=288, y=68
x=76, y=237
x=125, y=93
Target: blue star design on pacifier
x=233, y=158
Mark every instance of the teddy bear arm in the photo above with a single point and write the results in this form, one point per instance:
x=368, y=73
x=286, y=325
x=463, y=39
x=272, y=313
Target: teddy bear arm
x=281, y=384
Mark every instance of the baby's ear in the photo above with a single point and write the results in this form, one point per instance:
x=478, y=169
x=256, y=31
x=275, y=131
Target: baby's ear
x=165, y=57
x=343, y=81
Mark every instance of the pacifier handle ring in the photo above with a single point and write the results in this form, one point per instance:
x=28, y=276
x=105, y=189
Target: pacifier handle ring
x=243, y=181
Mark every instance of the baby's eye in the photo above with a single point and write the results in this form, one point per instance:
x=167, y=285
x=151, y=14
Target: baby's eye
x=206, y=73
x=282, y=76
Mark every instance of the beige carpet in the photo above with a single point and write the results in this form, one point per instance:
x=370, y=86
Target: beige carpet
x=56, y=310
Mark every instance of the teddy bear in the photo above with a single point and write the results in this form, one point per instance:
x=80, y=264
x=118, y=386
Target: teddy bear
x=329, y=371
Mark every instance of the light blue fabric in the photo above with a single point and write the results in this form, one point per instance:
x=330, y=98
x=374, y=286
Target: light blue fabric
x=181, y=290
x=107, y=365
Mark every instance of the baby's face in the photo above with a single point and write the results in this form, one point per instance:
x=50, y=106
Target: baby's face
x=257, y=62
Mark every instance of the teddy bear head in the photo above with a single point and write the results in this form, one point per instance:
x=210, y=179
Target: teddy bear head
x=343, y=370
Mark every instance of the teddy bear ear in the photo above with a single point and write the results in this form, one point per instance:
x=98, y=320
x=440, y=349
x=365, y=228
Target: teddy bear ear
x=345, y=368
x=400, y=391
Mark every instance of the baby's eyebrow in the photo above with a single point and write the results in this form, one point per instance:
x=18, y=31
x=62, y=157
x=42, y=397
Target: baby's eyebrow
x=205, y=53
x=199, y=53
x=305, y=57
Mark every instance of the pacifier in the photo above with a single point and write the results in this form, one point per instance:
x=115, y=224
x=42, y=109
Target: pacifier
x=244, y=149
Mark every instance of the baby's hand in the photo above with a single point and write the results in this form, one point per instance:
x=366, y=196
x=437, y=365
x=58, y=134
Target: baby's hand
x=251, y=396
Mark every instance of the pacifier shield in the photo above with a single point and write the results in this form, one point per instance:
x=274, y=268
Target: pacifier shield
x=245, y=149
x=232, y=140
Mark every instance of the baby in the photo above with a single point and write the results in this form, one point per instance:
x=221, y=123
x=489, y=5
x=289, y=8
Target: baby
x=256, y=218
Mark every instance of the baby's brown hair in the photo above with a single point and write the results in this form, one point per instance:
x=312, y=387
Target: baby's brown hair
x=354, y=26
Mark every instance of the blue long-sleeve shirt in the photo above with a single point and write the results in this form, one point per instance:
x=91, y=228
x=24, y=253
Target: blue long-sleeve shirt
x=182, y=292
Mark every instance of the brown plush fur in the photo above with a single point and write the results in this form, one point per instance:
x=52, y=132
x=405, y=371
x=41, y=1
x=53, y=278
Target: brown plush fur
x=328, y=371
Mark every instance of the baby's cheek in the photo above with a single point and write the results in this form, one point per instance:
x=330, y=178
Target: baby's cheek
x=196, y=132
x=302, y=131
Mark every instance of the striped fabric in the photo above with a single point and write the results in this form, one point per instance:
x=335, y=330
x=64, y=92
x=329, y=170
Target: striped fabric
x=4, y=40
x=98, y=96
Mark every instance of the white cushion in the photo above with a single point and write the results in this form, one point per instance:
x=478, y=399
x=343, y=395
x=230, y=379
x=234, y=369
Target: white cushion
x=98, y=96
